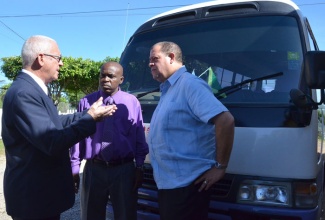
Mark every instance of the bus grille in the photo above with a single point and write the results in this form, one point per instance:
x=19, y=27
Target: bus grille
x=220, y=189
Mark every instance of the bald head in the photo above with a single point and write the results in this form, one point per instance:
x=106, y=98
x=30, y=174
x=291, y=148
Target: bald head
x=167, y=47
x=164, y=60
x=42, y=57
x=112, y=64
x=34, y=46
x=110, y=77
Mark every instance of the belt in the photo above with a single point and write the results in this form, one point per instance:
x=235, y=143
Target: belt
x=112, y=163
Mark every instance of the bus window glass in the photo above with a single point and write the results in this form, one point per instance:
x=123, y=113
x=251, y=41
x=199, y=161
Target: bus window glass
x=232, y=50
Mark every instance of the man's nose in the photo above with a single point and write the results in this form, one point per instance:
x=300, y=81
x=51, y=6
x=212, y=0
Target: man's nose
x=107, y=78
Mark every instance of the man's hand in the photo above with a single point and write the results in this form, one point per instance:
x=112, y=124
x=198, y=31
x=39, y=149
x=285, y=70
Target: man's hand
x=98, y=111
x=209, y=178
x=76, y=181
x=138, y=178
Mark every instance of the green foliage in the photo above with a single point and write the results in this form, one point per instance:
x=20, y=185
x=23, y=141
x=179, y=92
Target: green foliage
x=63, y=107
x=79, y=75
x=3, y=90
x=114, y=59
x=2, y=148
x=74, y=98
x=77, y=78
x=320, y=115
x=11, y=66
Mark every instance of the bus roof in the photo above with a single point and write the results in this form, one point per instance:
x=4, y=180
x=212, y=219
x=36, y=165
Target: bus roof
x=219, y=2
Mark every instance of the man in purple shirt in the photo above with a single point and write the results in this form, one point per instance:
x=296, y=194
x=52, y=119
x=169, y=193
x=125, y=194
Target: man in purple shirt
x=110, y=170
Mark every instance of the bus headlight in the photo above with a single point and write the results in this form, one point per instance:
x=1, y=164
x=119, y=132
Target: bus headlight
x=268, y=193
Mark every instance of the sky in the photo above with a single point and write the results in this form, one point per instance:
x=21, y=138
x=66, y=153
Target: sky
x=97, y=29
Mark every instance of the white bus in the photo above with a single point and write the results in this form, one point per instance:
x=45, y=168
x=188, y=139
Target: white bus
x=262, y=61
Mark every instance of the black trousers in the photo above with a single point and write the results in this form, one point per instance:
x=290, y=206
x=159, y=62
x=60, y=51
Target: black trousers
x=50, y=218
x=185, y=203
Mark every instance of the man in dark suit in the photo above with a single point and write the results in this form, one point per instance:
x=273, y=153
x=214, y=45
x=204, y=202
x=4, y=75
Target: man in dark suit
x=38, y=183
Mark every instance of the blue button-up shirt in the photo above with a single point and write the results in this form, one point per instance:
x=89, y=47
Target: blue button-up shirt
x=181, y=140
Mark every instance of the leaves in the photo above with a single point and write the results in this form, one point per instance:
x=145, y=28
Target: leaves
x=11, y=66
x=77, y=78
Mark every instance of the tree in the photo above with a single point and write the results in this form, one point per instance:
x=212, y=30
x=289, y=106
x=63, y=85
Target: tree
x=3, y=90
x=77, y=76
x=81, y=77
x=11, y=66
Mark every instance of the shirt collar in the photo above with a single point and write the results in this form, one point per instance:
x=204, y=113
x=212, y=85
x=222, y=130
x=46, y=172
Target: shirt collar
x=116, y=96
x=37, y=80
x=173, y=78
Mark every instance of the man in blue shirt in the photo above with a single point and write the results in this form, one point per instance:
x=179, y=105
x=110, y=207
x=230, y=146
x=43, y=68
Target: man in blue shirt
x=190, y=139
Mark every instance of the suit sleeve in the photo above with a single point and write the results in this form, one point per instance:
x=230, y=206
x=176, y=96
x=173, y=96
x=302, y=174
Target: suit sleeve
x=39, y=123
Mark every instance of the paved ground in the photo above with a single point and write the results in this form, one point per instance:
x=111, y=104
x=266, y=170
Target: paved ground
x=71, y=214
x=3, y=214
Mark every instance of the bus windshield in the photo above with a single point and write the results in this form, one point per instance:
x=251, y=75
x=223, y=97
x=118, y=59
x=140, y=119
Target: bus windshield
x=225, y=52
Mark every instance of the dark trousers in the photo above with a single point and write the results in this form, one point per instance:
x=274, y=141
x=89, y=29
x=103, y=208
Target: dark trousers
x=185, y=203
x=101, y=182
x=50, y=218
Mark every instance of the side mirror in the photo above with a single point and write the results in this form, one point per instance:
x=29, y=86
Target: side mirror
x=304, y=104
x=314, y=69
x=301, y=100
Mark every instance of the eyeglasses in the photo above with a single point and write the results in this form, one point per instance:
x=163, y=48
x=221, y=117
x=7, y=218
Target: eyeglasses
x=58, y=58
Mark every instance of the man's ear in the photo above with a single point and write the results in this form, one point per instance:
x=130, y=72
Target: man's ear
x=38, y=62
x=121, y=80
x=172, y=57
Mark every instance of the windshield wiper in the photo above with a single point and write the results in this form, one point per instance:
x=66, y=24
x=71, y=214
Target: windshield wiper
x=146, y=93
x=231, y=89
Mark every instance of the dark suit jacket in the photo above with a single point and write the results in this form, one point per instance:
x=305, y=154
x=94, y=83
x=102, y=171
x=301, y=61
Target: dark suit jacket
x=38, y=179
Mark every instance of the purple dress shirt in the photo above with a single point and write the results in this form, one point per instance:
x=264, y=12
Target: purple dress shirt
x=127, y=139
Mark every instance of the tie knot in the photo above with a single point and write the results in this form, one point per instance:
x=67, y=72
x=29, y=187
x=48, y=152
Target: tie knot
x=109, y=101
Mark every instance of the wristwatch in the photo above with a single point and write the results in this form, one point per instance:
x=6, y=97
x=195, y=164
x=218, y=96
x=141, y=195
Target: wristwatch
x=219, y=165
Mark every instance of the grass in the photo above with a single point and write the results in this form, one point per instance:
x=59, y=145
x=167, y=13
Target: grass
x=2, y=148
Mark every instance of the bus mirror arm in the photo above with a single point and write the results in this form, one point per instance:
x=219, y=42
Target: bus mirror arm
x=305, y=104
x=146, y=93
x=303, y=101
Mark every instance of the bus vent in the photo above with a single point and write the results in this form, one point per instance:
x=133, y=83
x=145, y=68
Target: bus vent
x=190, y=15
x=231, y=9
x=221, y=188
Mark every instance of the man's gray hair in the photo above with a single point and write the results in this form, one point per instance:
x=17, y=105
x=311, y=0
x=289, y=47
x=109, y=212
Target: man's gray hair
x=34, y=46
